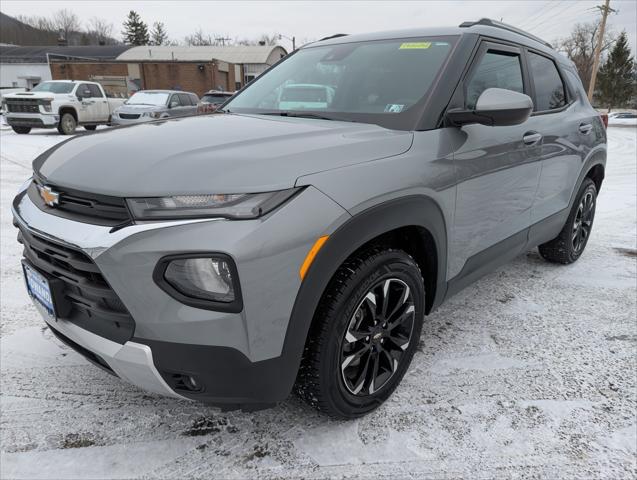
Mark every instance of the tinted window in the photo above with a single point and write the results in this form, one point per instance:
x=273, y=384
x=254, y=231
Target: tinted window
x=174, y=101
x=549, y=89
x=83, y=91
x=194, y=99
x=95, y=90
x=495, y=70
x=185, y=99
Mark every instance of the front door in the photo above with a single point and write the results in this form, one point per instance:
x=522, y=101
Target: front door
x=88, y=109
x=497, y=168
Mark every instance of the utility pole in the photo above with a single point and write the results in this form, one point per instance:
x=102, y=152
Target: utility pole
x=605, y=9
x=222, y=40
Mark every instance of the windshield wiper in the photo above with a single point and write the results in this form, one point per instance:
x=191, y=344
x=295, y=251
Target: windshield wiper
x=299, y=115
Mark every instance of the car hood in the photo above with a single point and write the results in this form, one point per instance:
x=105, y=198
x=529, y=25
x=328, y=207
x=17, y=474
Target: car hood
x=139, y=108
x=37, y=95
x=212, y=154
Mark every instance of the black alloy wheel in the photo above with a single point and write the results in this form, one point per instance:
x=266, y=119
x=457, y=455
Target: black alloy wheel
x=378, y=334
x=583, y=221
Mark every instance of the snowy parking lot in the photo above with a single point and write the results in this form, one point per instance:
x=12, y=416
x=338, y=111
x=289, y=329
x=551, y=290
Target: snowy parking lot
x=529, y=372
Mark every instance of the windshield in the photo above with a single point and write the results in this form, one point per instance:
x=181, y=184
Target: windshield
x=148, y=98
x=54, y=87
x=372, y=82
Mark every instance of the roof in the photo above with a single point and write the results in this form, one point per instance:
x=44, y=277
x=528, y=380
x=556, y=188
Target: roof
x=484, y=29
x=12, y=54
x=235, y=54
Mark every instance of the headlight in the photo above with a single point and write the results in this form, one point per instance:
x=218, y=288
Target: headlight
x=154, y=114
x=47, y=107
x=201, y=280
x=237, y=206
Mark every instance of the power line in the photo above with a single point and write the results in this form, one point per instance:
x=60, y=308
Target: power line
x=533, y=17
x=543, y=11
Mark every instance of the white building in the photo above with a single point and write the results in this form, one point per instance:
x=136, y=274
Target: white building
x=25, y=67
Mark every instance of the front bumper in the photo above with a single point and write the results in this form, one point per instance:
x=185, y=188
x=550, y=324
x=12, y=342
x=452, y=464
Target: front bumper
x=239, y=358
x=34, y=120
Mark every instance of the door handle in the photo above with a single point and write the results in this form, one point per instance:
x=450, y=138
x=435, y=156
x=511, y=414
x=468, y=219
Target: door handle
x=585, y=128
x=531, y=138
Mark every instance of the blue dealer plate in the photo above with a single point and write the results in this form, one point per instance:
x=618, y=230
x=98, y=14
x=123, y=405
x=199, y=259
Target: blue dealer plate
x=38, y=287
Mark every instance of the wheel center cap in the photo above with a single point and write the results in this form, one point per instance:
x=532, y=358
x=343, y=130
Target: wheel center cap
x=377, y=336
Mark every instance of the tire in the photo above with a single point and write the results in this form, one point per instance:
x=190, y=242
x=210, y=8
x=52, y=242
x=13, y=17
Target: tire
x=335, y=375
x=21, y=130
x=569, y=245
x=90, y=127
x=67, y=124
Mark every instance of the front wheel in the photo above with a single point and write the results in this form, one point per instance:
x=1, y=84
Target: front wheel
x=21, y=130
x=569, y=245
x=364, y=334
x=67, y=124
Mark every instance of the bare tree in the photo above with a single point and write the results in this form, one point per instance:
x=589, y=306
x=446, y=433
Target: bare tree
x=101, y=30
x=199, y=38
x=580, y=45
x=66, y=22
x=36, y=21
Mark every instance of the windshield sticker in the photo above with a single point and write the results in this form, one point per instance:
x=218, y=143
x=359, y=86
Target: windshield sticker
x=415, y=45
x=394, y=108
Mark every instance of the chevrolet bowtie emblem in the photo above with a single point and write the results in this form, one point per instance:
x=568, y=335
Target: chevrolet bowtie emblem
x=50, y=197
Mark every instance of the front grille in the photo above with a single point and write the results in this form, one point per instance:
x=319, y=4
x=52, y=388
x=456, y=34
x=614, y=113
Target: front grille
x=129, y=116
x=94, y=305
x=83, y=207
x=23, y=107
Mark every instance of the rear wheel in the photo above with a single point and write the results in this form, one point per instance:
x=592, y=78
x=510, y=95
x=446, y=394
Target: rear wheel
x=90, y=127
x=67, y=124
x=21, y=130
x=569, y=245
x=364, y=334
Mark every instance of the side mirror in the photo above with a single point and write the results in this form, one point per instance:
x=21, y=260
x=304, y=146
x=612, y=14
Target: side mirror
x=496, y=107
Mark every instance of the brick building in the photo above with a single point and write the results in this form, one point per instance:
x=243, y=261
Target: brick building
x=194, y=69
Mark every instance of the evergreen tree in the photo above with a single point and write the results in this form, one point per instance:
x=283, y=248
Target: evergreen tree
x=158, y=35
x=616, y=77
x=135, y=30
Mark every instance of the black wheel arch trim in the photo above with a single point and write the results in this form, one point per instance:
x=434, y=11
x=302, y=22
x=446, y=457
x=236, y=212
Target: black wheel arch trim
x=230, y=379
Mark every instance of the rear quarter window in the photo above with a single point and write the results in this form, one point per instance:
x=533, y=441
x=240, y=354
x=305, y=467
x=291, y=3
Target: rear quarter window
x=550, y=93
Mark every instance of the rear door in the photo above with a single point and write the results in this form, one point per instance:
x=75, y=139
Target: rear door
x=188, y=105
x=567, y=123
x=497, y=168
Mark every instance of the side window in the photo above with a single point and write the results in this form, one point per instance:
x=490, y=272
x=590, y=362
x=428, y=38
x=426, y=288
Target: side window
x=174, y=101
x=495, y=70
x=83, y=91
x=185, y=99
x=95, y=91
x=549, y=89
x=194, y=99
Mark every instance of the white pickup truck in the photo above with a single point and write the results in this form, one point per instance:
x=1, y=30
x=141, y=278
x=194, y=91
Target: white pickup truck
x=63, y=104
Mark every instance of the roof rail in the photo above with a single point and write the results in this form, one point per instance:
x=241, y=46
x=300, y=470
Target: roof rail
x=493, y=23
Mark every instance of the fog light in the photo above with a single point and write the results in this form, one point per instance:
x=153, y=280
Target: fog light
x=202, y=278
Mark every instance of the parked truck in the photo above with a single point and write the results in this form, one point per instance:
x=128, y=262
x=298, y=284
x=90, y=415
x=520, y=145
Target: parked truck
x=61, y=104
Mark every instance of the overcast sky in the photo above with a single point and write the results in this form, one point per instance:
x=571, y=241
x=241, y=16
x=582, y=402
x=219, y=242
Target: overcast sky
x=549, y=19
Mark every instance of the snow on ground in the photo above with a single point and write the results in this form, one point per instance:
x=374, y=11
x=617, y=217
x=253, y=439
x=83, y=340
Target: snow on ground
x=530, y=372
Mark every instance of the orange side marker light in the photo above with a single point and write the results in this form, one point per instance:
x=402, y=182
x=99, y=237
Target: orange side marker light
x=309, y=258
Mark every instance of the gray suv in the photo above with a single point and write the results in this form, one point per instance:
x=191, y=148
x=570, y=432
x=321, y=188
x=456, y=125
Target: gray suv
x=234, y=258
x=149, y=105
